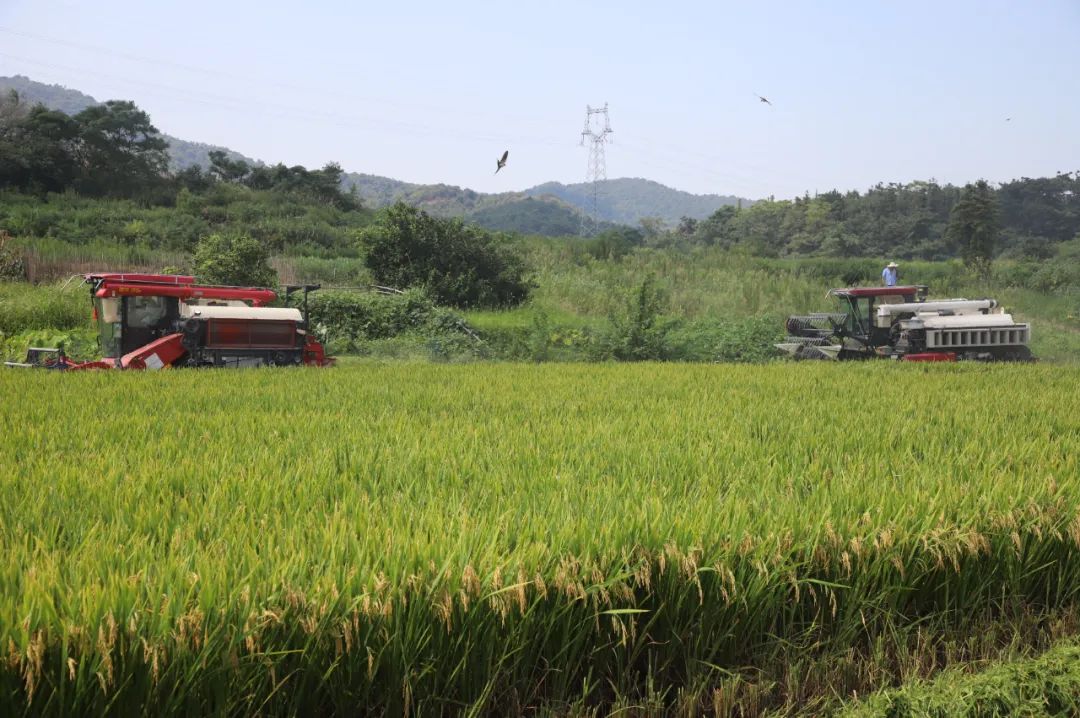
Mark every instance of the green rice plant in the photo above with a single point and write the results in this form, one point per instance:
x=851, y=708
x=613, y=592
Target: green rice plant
x=501, y=539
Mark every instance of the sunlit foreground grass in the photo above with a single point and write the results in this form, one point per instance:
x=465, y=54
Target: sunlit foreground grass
x=428, y=539
x=1048, y=685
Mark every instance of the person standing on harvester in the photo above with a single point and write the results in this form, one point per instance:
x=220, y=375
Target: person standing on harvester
x=888, y=275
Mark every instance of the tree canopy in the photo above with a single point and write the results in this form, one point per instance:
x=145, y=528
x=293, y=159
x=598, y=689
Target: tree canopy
x=323, y=185
x=106, y=150
x=235, y=260
x=973, y=226
x=905, y=221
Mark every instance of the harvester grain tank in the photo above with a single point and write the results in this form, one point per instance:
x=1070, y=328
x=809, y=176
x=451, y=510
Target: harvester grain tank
x=900, y=323
x=152, y=321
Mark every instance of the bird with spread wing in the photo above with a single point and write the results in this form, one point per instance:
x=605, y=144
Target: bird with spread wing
x=501, y=162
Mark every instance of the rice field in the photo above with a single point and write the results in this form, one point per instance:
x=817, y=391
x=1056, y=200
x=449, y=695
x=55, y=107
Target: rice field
x=546, y=539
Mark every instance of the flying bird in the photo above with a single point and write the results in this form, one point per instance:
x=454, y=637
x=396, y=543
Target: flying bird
x=501, y=162
x=763, y=99
x=1008, y=119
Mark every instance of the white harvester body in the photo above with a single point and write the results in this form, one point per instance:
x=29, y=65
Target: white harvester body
x=890, y=322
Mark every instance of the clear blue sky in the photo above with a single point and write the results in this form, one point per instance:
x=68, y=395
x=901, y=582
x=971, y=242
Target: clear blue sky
x=433, y=92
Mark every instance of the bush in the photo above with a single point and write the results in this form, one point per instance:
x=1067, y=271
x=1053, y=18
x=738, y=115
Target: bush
x=637, y=332
x=542, y=340
x=460, y=265
x=351, y=317
x=740, y=340
x=614, y=243
x=12, y=264
x=1061, y=273
x=79, y=344
x=389, y=326
x=233, y=260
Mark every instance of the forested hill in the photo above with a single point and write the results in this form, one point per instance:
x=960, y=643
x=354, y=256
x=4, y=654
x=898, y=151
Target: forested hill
x=553, y=208
x=55, y=97
x=628, y=200
x=182, y=153
x=619, y=201
x=1022, y=218
x=511, y=211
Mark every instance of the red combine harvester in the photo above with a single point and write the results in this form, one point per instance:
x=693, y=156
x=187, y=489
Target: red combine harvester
x=151, y=321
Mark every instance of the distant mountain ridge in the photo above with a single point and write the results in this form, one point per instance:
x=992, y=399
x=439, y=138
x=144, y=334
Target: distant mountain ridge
x=505, y=211
x=628, y=200
x=619, y=201
x=551, y=208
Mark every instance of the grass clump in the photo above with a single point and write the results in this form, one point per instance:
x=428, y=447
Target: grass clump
x=25, y=307
x=1046, y=685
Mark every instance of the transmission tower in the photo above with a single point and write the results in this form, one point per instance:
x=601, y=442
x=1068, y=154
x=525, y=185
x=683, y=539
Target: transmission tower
x=597, y=169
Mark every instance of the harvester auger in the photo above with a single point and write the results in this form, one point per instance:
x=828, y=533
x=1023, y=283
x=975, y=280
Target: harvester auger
x=900, y=323
x=152, y=321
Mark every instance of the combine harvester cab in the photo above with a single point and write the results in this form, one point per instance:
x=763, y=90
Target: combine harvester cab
x=152, y=321
x=900, y=323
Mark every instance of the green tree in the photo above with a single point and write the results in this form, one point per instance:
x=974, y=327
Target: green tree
x=973, y=226
x=687, y=226
x=227, y=169
x=323, y=185
x=236, y=260
x=718, y=227
x=37, y=147
x=13, y=113
x=614, y=243
x=193, y=179
x=651, y=227
x=760, y=229
x=461, y=265
x=120, y=151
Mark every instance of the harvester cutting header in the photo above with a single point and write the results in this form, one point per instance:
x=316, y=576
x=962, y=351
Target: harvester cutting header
x=151, y=321
x=900, y=323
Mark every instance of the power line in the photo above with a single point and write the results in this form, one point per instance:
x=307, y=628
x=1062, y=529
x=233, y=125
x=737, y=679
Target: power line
x=247, y=80
x=596, y=172
x=291, y=112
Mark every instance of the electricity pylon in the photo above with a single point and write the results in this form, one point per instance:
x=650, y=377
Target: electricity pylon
x=597, y=169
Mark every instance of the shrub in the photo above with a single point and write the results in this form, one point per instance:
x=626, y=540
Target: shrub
x=373, y=324
x=460, y=265
x=1063, y=272
x=351, y=316
x=739, y=340
x=637, y=332
x=79, y=344
x=12, y=263
x=614, y=243
x=233, y=260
